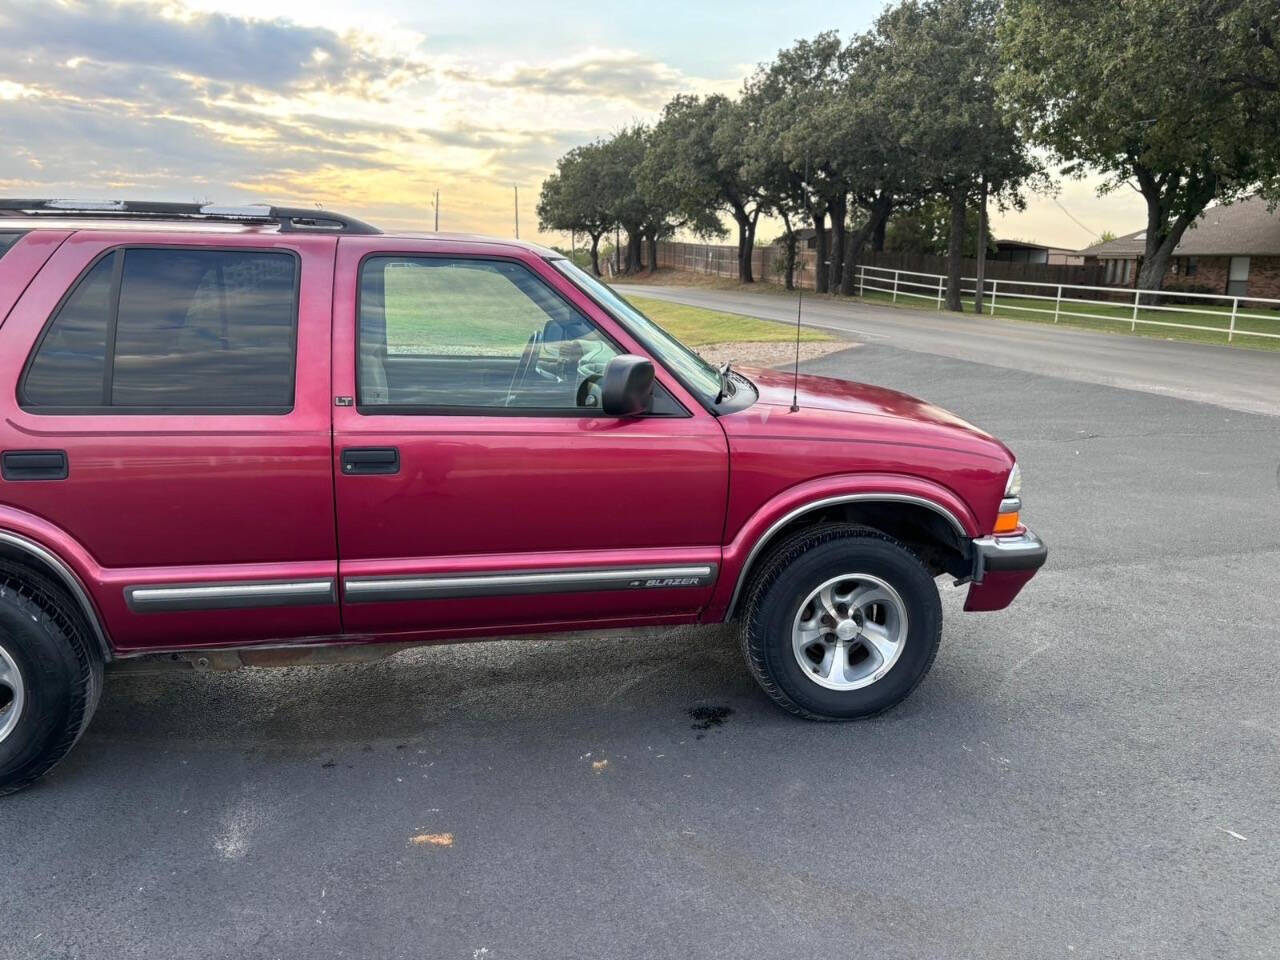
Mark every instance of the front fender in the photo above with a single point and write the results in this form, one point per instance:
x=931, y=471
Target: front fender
x=750, y=540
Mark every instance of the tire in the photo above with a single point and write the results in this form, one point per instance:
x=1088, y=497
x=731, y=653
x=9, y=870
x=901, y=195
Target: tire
x=54, y=676
x=845, y=675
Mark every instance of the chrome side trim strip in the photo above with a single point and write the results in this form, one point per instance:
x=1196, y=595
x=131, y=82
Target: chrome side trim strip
x=69, y=580
x=570, y=580
x=226, y=596
x=828, y=502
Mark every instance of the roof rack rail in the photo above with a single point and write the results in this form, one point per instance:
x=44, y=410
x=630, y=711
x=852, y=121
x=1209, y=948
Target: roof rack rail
x=290, y=219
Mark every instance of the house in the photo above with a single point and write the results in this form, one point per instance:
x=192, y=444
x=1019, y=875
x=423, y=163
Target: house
x=1232, y=249
x=1022, y=251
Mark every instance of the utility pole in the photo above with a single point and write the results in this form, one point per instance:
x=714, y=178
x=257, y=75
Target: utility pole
x=517, y=190
x=617, y=256
x=437, y=206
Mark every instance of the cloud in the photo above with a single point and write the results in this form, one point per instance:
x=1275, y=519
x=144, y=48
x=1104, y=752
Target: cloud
x=629, y=77
x=115, y=48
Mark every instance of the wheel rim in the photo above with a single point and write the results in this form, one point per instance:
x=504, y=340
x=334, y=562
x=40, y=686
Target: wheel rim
x=849, y=632
x=12, y=694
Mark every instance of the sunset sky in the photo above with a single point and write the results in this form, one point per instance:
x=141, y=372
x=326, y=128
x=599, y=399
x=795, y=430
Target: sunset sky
x=369, y=108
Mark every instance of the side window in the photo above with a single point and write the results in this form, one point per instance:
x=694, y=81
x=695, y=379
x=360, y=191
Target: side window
x=67, y=369
x=175, y=328
x=461, y=333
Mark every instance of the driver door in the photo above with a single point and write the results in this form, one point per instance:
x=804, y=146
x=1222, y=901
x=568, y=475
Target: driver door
x=479, y=486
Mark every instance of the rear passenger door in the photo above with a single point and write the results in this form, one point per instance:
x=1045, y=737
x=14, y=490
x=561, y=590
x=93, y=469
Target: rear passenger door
x=479, y=485
x=172, y=418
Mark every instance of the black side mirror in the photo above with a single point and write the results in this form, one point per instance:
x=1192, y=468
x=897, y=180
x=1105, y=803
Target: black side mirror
x=626, y=390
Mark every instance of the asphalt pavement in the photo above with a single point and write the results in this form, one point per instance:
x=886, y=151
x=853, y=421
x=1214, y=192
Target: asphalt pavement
x=1093, y=773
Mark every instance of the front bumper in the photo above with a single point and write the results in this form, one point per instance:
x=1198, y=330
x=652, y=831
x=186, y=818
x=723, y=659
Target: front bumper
x=1001, y=568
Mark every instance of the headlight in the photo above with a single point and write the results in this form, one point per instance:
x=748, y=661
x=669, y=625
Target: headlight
x=1014, y=487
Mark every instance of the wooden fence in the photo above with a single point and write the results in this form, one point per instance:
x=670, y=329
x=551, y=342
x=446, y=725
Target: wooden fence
x=768, y=264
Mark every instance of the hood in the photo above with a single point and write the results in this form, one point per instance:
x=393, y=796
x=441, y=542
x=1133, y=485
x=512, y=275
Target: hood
x=844, y=396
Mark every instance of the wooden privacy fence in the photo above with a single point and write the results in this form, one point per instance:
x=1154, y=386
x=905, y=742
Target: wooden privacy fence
x=768, y=264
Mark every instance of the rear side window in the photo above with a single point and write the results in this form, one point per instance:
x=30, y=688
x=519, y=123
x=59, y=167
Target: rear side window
x=182, y=329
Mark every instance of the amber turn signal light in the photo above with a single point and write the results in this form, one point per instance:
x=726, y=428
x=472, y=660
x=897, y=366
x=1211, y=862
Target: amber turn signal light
x=1006, y=522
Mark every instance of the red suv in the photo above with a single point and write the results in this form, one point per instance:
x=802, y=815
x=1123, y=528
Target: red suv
x=255, y=435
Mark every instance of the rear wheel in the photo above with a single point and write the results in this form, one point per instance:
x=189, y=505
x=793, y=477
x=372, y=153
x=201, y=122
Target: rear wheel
x=50, y=676
x=842, y=622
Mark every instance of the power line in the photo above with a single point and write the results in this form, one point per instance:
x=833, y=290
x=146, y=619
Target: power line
x=1092, y=233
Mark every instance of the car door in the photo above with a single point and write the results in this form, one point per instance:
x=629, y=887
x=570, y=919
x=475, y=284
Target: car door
x=479, y=487
x=171, y=421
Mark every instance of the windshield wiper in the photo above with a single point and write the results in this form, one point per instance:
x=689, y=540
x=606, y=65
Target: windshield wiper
x=726, y=384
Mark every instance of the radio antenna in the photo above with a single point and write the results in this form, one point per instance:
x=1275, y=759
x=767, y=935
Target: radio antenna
x=795, y=382
x=795, y=379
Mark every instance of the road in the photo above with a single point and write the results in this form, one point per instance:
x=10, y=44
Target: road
x=1247, y=380
x=1091, y=774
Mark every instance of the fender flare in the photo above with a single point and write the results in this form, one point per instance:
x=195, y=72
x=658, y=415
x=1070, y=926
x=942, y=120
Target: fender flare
x=63, y=573
x=863, y=496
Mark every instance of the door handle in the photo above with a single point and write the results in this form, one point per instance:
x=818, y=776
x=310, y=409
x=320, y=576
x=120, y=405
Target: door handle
x=371, y=460
x=33, y=465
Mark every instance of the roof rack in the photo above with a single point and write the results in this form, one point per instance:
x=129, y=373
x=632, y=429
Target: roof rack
x=289, y=219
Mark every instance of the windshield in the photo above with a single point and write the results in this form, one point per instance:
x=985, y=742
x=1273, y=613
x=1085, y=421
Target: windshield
x=693, y=371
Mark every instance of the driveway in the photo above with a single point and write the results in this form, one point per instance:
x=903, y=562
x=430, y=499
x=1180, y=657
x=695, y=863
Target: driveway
x=1092, y=773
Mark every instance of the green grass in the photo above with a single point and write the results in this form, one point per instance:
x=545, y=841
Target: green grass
x=696, y=326
x=1118, y=318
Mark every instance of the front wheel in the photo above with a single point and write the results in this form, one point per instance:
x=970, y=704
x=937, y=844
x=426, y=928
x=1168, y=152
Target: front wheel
x=842, y=622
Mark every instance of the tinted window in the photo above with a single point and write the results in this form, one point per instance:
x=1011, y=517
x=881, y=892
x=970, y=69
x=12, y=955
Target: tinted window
x=198, y=329
x=67, y=369
x=7, y=240
x=438, y=332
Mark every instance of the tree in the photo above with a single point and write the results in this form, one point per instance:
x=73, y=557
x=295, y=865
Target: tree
x=937, y=62
x=578, y=196
x=695, y=159
x=924, y=227
x=791, y=152
x=1174, y=98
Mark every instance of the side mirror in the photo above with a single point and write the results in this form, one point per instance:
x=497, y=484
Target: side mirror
x=626, y=389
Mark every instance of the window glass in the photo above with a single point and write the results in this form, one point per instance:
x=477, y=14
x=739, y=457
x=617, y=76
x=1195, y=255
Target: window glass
x=197, y=329
x=205, y=328
x=1193, y=265
x=697, y=373
x=7, y=240
x=68, y=367
x=441, y=332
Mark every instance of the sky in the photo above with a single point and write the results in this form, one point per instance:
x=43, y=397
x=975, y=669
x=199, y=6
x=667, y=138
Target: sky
x=370, y=108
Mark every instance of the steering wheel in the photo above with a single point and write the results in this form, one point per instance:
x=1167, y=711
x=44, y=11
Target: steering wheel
x=528, y=360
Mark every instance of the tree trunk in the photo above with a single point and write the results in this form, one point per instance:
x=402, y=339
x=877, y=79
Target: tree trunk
x=653, y=252
x=877, y=237
x=789, y=253
x=838, y=209
x=633, y=251
x=981, y=252
x=955, y=249
x=877, y=213
x=595, y=253
x=746, y=241
x=1164, y=229
x=819, y=215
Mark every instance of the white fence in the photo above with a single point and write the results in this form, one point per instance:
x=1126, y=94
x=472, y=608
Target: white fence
x=1062, y=300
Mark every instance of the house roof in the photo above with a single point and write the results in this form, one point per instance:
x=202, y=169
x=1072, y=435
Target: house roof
x=1245, y=227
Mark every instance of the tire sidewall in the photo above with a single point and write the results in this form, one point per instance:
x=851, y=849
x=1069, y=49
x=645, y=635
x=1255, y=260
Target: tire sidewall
x=49, y=673
x=774, y=617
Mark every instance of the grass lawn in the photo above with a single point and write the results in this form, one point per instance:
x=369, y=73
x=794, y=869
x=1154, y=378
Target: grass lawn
x=696, y=326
